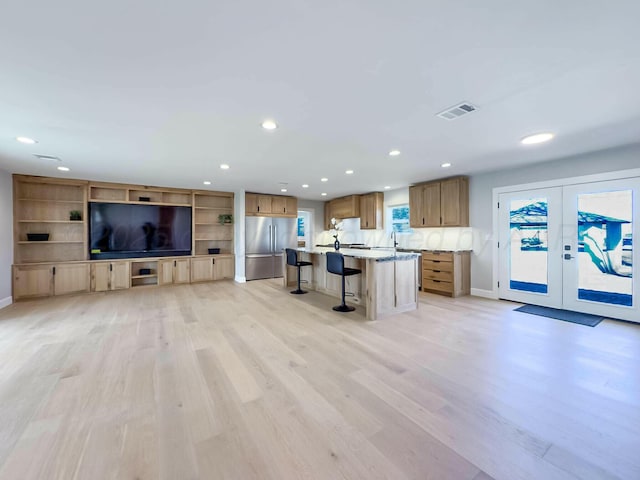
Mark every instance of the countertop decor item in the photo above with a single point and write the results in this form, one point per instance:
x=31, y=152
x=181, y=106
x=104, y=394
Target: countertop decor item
x=225, y=218
x=37, y=237
x=336, y=226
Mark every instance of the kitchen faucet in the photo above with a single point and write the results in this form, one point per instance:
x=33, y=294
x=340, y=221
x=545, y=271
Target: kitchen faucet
x=393, y=237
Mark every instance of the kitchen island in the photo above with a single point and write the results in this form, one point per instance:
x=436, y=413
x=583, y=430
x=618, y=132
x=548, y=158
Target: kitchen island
x=387, y=285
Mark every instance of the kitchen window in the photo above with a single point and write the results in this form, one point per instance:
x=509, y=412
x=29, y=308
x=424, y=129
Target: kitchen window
x=399, y=215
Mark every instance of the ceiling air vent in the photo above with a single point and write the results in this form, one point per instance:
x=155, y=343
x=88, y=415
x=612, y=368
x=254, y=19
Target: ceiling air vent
x=457, y=111
x=47, y=157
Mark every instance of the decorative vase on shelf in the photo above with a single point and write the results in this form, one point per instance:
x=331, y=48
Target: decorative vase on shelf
x=336, y=244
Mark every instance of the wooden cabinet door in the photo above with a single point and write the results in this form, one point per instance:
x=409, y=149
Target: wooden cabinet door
x=416, y=206
x=32, y=281
x=291, y=207
x=431, y=205
x=182, y=271
x=71, y=278
x=165, y=272
x=202, y=269
x=120, y=275
x=367, y=214
x=264, y=204
x=224, y=267
x=251, y=203
x=278, y=205
x=328, y=214
x=100, y=277
x=455, y=202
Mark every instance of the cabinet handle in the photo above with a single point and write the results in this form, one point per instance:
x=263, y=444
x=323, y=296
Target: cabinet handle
x=54, y=270
x=436, y=271
x=423, y=220
x=435, y=261
x=175, y=263
x=111, y=267
x=213, y=261
x=437, y=281
x=258, y=208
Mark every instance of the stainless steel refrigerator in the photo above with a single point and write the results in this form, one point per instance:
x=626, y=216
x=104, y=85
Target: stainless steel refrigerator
x=266, y=239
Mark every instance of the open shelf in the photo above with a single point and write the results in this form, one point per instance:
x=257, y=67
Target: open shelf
x=151, y=275
x=48, y=200
x=79, y=222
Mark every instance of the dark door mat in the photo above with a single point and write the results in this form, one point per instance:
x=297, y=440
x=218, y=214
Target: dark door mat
x=565, y=315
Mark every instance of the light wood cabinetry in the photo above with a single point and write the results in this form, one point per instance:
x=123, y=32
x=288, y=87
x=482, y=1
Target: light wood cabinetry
x=345, y=207
x=124, y=193
x=258, y=204
x=60, y=265
x=71, y=278
x=443, y=203
x=371, y=211
x=446, y=273
x=208, y=232
x=106, y=276
x=43, y=206
x=32, y=281
x=205, y=269
x=174, y=271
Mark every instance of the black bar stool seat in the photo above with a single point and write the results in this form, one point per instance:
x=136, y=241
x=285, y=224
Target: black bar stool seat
x=292, y=259
x=335, y=265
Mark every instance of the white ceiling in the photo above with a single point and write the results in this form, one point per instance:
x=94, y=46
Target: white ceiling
x=162, y=93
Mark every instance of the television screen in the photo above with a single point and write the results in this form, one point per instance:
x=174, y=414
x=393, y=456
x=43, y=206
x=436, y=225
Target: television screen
x=129, y=231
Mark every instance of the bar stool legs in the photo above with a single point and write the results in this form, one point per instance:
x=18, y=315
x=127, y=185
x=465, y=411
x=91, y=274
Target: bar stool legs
x=343, y=307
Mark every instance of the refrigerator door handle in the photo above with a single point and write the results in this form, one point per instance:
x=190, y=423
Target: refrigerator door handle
x=270, y=239
x=275, y=239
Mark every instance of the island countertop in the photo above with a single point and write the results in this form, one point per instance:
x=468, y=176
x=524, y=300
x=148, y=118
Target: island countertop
x=377, y=255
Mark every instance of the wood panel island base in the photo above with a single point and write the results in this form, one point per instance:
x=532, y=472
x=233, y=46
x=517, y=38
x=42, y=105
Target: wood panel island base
x=387, y=285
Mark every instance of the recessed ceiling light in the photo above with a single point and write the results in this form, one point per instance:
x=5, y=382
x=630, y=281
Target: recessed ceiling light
x=207, y=182
x=224, y=166
x=445, y=165
x=387, y=187
x=63, y=169
x=394, y=153
x=324, y=179
x=305, y=185
x=269, y=125
x=349, y=172
x=27, y=140
x=283, y=189
x=323, y=194
x=537, y=138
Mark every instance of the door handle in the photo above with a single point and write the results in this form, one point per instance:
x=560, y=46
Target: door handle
x=568, y=256
x=275, y=238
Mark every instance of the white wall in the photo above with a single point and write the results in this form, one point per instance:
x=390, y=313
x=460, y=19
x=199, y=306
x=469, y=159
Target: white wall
x=6, y=237
x=481, y=192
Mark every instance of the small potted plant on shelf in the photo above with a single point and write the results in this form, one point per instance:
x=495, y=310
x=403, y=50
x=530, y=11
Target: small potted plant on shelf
x=75, y=215
x=225, y=218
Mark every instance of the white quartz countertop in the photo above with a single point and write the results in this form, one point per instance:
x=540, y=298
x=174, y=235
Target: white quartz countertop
x=377, y=254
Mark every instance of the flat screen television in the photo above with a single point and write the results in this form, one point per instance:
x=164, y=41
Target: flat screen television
x=119, y=230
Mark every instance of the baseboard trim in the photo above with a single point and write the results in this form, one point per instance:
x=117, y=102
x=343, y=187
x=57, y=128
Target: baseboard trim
x=479, y=292
x=240, y=279
x=5, y=302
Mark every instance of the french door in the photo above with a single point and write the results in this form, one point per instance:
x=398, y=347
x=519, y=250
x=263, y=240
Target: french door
x=571, y=247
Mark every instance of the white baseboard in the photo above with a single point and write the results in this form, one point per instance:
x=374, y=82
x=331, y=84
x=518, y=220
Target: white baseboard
x=5, y=302
x=240, y=279
x=479, y=292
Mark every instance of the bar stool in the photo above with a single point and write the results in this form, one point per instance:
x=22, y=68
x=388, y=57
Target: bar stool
x=292, y=259
x=335, y=265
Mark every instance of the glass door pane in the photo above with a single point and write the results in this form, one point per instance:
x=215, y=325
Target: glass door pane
x=530, y=233
x=601, y=220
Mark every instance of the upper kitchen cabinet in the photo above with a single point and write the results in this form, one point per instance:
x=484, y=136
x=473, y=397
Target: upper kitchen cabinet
x=343, y=207
x=371, y=211
x=257, y=204
x=442, y=203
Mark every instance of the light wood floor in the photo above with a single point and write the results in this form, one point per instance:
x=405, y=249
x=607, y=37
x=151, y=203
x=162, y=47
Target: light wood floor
x=226, y=381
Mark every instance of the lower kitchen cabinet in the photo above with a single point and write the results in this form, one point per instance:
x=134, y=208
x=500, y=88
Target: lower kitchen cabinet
x=110, y=276
x=33, y=281
x=224, y=267
x=446, y=273
x=174, y=271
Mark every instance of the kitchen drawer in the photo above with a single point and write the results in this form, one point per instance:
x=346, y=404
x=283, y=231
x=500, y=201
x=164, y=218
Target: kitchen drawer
x=441, y=265
x=437, y=275
x=438, y=256
x=438, y=285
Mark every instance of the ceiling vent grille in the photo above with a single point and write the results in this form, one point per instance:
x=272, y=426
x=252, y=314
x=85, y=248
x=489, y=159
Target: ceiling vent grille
x=47, y=157
x=457, y=111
